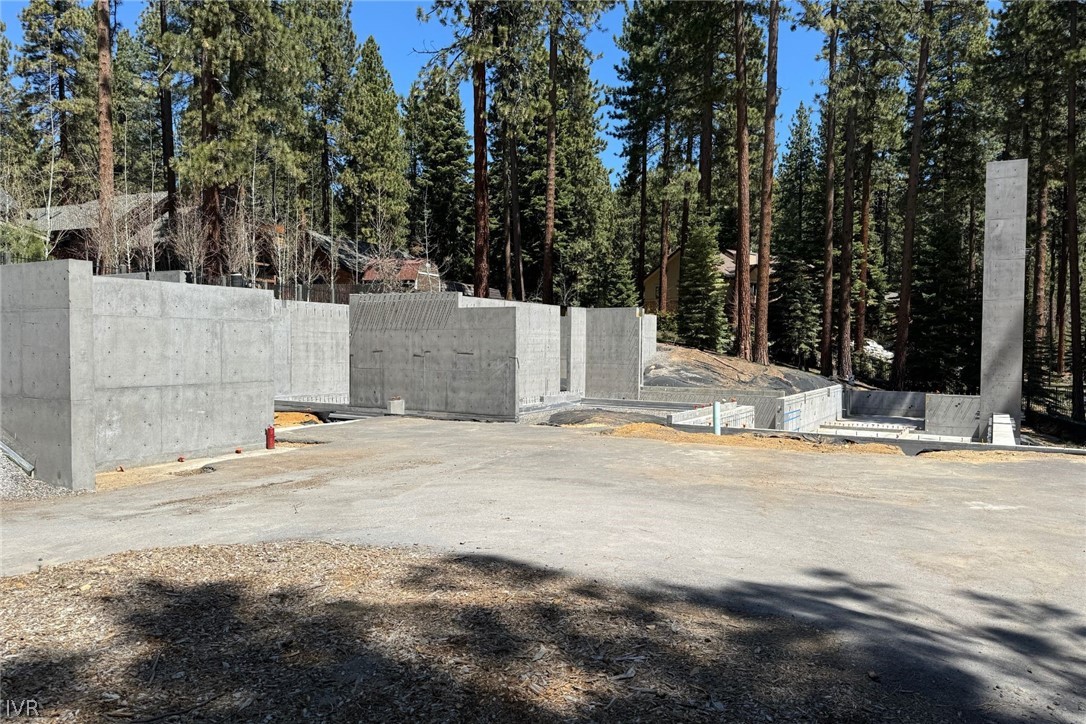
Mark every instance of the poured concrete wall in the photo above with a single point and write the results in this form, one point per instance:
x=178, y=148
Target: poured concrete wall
x=764, y=402
x=884, y=402
x=1004, y=290
x=613, y=358
x=806, y=411
x=573, y=349
x=176, y=276
x=46, y=373
x=957, y=415
x=648, y=337
x=179, y=369
x=441, y=353
x=538, y=351
x=311, y=352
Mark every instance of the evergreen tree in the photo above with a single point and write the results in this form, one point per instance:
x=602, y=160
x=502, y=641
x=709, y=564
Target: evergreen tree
x=375, y=157
x=439, y=171
x=57, y=67
x=793, y=318
x=701, y=314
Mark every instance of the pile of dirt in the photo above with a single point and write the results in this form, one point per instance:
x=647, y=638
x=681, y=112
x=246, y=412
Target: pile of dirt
x=293, y=419
x=675, y=366
x=766, y=442
x=999, y=456
x=298, y=631
x=582, y=417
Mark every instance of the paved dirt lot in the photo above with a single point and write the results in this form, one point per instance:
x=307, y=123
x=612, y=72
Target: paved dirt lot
x=958, y=582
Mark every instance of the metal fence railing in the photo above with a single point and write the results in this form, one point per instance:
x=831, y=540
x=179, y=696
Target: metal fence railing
x=316, y=292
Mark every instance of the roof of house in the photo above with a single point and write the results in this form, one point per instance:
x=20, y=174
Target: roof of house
x=407, y=270
x=72, y=217
x=725, y=266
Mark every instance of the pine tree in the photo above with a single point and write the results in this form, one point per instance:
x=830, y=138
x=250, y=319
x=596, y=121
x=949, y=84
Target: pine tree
x=701, y=314
x=439, y=172
x=793, y=319
x=375, y=157
x=56, y=64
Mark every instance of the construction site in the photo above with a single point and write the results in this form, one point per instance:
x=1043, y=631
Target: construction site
x=441, y=506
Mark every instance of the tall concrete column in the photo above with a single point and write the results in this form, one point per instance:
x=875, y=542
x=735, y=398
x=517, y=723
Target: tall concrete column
x=1004, y=291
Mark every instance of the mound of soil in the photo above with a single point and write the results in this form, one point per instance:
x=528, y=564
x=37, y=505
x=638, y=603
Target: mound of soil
x=675, y=366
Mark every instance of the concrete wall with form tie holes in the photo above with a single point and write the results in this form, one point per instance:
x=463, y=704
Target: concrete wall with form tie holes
x=311, y=355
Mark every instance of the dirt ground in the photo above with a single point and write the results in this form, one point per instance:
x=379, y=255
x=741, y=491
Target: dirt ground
x=662, y=432
x=998, y=456
x=677, y=366
x=333, y=632
x=293, y=419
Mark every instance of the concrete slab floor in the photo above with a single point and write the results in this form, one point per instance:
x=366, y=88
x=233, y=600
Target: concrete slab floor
x=961, y=581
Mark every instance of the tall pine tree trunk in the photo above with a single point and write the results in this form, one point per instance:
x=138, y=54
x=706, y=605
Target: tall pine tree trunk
x=1039, y=310
x=107, y=239
x=326, y=179
x=826, y=341
x=1078, y=412
x=514, y=212
x=848, y=203
x=684, y=223
x=865, y=247
x=210, y=195
x=507, y=224
x=552, y=122
x=904, y=308
x=482, y=202
x=1060, y=332
x=643, y=216
x=665, y=210
x=742, y=146
x=165, y=117
x=769, y=153
x=705, y=144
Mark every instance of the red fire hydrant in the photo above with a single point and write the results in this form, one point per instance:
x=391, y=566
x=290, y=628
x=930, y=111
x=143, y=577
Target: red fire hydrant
x=269, y=437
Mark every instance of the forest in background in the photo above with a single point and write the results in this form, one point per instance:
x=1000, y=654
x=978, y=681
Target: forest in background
x=275, y=114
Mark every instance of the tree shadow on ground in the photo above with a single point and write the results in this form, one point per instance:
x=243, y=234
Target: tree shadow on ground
x=326, y=632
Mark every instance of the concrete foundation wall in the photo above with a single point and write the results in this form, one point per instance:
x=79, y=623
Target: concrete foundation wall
x=613, y=358
x=957, y=415
x=179, y=370
x=573, y=350
x=46, y=373
x=538, y=352
x=884, y=402
x=436, y=354
x=1004, y=290
x=764, y=403
x=806, y=411
x=311, y=352
x=179, y=277
x=648, y=337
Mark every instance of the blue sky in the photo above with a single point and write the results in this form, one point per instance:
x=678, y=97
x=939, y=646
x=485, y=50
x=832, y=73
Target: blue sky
x=404, y=40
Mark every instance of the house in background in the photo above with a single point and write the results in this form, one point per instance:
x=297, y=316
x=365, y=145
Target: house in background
x=725, y=267
x=70, y=228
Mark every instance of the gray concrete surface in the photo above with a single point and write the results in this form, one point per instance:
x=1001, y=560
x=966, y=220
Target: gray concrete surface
x=952, y=415
x=954, y=579
x=440, y=353
x=573, y=349
x=311, y=351
x=764, y=402
x=175, y=276
x=807, y=411
x=179, y=369
x=1004, y=304
x=614, y=366
x=46, y=375
x=882, y=403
